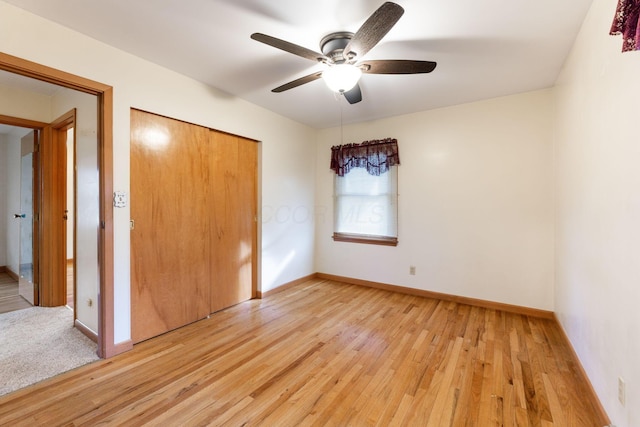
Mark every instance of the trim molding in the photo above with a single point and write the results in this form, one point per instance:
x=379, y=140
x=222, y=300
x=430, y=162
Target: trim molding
x=122, y=347
x=24, y=123
x=106, y=320
x=7, y=270
x=365, y=238
x=527, y=311
x=287, y=285
x=604, y=418
x=86, y=331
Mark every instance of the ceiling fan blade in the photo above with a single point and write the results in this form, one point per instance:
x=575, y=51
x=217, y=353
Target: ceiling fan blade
x=289, y=47
x=354, y=95
x=298, y=82
x=397, y=66
x=373, y=30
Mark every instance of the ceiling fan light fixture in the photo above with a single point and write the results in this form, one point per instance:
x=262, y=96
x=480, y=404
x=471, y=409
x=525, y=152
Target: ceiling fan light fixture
x=341, y=77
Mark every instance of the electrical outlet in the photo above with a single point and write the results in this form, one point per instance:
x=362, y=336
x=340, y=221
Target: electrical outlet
x=621, y=391
x=412, y=270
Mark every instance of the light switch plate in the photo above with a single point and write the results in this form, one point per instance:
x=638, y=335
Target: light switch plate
x=119, y=199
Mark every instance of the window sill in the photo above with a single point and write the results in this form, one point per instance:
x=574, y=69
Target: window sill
x=366, y=239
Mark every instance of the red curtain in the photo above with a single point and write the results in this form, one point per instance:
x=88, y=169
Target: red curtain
x=626, y=23
x=376, y=156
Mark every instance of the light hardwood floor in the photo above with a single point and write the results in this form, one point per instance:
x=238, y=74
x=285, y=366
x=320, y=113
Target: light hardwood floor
x=326, y=353
x=10, y=299
x=70, y=291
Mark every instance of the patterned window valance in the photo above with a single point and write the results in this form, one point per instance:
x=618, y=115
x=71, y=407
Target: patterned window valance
x=375, y=156
x=626, y=23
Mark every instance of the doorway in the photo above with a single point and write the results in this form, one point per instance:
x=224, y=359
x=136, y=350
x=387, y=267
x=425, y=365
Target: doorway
x=38, y=190
x=101, y=181
x=18, y=168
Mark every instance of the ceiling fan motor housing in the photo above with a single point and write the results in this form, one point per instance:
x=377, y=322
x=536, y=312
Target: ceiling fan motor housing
x=332, y=46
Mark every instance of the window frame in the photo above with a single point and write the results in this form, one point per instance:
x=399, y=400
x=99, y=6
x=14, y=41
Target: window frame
x=365, y=238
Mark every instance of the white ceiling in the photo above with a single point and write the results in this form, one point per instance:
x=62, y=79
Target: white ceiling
x=484, y=49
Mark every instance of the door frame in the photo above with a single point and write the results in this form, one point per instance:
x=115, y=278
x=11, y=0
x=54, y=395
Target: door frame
x=104, y=93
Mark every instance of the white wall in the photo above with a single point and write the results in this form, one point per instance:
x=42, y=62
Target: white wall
x=10, y=182
x=88, y=203
x=475, y=202
x=24, y=104
x=598, y=210
x=288, y=167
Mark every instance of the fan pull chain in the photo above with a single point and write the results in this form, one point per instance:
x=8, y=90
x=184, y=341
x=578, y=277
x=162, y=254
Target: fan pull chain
x=341, y=126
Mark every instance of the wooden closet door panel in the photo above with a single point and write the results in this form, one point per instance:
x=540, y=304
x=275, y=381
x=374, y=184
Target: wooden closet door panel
x=248, y=227
x=233, y=220
x=170, y=207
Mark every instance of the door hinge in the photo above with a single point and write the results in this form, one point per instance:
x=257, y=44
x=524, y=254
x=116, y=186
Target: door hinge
x=132, y=224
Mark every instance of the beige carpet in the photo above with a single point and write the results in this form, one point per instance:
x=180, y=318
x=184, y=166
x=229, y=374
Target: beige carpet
x=38, y=343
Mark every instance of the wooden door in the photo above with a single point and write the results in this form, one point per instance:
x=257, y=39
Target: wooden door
x=52, y=216
x=170, y=248
x=233, y=226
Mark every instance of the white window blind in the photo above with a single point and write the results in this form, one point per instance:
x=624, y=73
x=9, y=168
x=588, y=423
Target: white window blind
x=366, y=204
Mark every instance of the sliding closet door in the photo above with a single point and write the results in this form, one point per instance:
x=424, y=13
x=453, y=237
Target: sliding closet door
x=233, y=226
x=170, y=211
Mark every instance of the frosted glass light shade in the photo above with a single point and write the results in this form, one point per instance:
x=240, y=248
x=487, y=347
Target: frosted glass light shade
x=342, y=77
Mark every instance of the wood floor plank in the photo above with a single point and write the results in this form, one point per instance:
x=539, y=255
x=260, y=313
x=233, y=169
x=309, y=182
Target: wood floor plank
x=10, y=299
x=13, y=303
x=324, y=353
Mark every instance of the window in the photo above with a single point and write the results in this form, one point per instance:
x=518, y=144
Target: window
x=366, y=206
x=366, y=192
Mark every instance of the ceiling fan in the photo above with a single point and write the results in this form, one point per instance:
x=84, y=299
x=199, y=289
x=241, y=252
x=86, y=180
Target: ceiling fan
x=342, y=53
